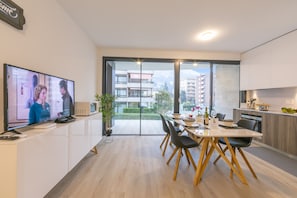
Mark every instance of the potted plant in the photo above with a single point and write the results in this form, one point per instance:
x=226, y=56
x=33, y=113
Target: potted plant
x=107, y=109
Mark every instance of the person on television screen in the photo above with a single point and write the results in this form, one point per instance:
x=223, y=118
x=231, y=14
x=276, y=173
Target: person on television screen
x=31, y=101
x=67, y=100
x=40, y=110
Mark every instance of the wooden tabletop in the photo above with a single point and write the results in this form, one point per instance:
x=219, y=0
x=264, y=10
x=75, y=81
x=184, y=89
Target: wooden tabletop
x=200, y=130
x=223, y=132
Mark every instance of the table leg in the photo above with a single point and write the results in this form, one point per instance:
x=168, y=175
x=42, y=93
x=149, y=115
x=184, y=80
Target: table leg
x=199, y=169
x=239, y=173
x=247, y=162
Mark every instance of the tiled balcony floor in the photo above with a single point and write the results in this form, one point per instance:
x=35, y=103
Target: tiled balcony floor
x=132, y=127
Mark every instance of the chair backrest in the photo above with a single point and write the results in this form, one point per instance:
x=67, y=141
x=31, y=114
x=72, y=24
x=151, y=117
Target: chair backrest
x=247, y=124
x=221, y=116
x=175, y=139
x=164, y=124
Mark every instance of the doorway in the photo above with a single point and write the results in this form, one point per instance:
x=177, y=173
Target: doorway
x=143, y=90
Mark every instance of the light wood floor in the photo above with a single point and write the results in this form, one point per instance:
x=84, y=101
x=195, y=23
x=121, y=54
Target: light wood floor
x=133, y=167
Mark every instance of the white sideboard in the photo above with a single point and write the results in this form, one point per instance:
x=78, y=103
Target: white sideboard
x=30, y=167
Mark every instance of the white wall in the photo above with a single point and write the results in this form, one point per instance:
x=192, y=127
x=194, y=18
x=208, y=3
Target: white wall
x=52, y=43
x=165, y=54
x=272, y=65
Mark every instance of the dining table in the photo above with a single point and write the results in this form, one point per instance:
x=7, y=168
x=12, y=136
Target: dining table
x=210, y=136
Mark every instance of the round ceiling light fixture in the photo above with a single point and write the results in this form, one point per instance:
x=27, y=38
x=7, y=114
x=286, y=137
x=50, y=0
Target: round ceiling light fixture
x=207, y=35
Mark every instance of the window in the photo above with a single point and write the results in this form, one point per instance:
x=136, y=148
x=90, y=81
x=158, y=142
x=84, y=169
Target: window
x=162, y=86
x=121, y=92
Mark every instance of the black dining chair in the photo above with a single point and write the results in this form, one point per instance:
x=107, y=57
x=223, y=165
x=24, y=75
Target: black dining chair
x=220, y=116
x=181, y=142
x=167, y=136
x=238, y=143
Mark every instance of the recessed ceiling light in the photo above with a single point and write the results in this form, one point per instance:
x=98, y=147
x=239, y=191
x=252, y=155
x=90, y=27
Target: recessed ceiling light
x=207, y=35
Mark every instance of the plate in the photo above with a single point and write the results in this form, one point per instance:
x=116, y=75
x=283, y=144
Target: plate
x=233, y=126
x=195, y=125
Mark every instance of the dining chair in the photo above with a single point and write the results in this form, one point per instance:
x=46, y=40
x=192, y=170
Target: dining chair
x=221, y=116
x=181, y=142
x=238, y=143
x=167, y=136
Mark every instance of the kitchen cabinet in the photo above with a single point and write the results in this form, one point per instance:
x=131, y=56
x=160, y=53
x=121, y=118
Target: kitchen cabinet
x=269, y=65
x=279, y=130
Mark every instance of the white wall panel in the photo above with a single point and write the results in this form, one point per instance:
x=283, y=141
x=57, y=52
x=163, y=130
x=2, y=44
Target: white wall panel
x=50, y=42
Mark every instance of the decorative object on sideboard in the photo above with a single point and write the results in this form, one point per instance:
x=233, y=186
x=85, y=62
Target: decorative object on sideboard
x=263, y=107
x=288, y=110
x=12, y=14
x=86, y=108
x=107, y=109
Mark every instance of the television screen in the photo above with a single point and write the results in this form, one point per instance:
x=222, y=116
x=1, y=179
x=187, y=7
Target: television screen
x=33, y=97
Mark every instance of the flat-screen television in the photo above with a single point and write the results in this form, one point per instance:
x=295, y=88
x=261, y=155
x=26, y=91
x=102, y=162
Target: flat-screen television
x=32, y=97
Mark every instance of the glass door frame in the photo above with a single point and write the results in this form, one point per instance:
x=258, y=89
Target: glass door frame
x=107, y=86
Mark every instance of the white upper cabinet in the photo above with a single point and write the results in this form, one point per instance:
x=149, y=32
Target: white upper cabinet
x=272, y=65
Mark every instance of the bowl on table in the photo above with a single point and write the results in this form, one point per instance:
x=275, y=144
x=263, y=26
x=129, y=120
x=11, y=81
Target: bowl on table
x=189, y=121
x=176, y=115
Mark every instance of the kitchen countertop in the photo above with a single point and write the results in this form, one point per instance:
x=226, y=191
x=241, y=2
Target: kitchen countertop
x=271, y=112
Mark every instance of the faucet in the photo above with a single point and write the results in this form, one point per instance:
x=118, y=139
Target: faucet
x=252, y=103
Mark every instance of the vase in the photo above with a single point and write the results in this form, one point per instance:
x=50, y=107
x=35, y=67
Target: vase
x=108, y=131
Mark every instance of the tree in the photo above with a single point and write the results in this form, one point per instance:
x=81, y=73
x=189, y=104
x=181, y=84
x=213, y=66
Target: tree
x=163, y=101
x=107, y=109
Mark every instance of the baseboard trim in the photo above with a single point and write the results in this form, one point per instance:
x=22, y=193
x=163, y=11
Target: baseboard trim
x=276, y=150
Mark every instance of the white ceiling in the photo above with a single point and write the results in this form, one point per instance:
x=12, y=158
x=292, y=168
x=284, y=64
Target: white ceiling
x=173, y=24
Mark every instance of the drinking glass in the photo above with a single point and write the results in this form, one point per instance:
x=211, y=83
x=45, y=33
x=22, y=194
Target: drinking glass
x=213, y=113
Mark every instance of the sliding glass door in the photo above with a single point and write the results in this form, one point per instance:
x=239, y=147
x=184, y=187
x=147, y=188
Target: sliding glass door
x=127, y=89
x=157, y=95
x=143, y=90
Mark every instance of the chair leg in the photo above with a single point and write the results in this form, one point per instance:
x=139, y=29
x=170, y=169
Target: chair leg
x=173, y=153
x=177, y=163
x=232, y=162
x=247, y=162
x=187, y=156
x=200, y=141
x=165, y=137
x=191, y=158
x=166, y=143
x=225, y=149
x=220, y=147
